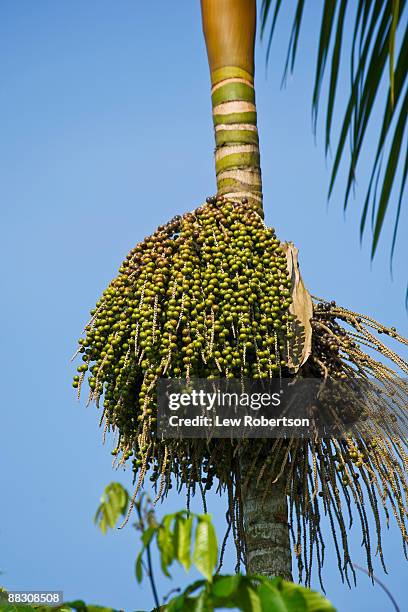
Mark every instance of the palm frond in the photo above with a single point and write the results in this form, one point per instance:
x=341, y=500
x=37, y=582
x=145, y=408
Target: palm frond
x=378, y=51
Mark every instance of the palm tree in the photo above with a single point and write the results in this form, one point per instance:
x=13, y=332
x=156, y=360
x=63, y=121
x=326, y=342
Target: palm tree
x=215, y=294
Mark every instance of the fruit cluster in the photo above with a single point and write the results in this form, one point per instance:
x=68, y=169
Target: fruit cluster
x=206, y=295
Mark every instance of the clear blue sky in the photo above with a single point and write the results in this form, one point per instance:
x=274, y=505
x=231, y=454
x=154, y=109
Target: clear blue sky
x=106, y=133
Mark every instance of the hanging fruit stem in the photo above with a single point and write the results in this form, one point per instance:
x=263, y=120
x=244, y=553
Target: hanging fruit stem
x=229, y=29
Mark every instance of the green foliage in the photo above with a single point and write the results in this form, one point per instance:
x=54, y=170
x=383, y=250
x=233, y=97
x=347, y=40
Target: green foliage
x=183, y=537
x=114, y=503
x=190, y=539
x=175, y=540
x=80, y=606
x=250, y=594
x=69, y=606
x=376, y=27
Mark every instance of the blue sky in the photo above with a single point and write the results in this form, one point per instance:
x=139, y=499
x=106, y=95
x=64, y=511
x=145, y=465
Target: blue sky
x=106, y=133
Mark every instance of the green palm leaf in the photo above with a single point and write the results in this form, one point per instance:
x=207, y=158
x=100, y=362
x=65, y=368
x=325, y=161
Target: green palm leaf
x=378, y=52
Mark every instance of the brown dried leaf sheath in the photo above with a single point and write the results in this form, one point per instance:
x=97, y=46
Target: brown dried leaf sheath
x=300, y=346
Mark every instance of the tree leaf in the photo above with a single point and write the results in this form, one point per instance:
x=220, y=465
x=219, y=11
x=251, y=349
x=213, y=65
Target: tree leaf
x=202, y=603
x=92, y=608
x=281, y=601
x=293, y=41
x=266, y=5
x=194, y=586
x=378, y=35
x=316, y=602
x=206, y=547
x=390, y=172
x=225, y=586
x=114, y=502
x=313, y=601
x=139, y=566
x=165, y=543
x=335, y=70
x=148, y=535
x=248, y=599
x=178, y=604
x=395, y=15
x=80, y=606
x=403, y=180
x=182, y=540
x=329, y=10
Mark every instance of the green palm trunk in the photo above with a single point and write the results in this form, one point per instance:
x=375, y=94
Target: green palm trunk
x=237, y=160
x=229, y=30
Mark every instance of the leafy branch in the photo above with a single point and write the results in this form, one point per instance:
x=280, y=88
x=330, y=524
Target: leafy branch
x=189, y=539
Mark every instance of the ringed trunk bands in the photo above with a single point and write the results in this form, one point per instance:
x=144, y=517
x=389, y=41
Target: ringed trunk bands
x=229, y=29
x=236, y=136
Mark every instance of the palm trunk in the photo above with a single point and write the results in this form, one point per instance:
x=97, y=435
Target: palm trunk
x=265, y=510
x=229, y=29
